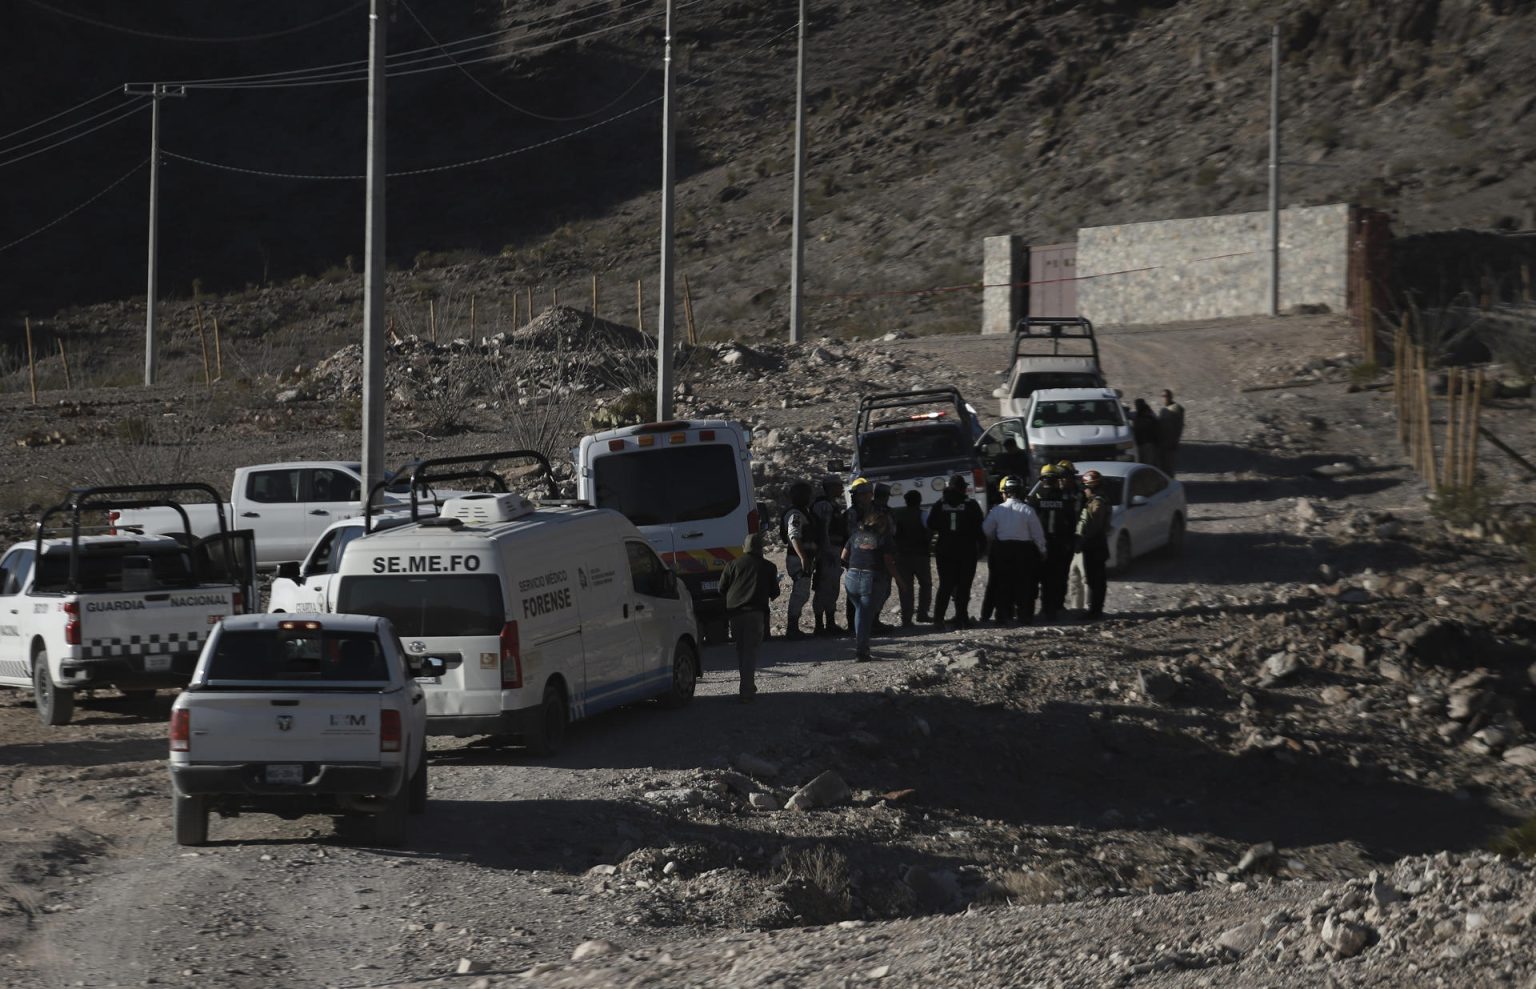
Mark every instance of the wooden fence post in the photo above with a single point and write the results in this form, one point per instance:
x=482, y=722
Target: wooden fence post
x=529, y=290
x=202, y=339
x=65, y=358
x=1477, y=424
x=1399, y=341
x=693, y=334
x=218, y=349
x=554, y=297
x=432, y=318
x=640, y=305
x=1448, y=465
x=594, y=299
x=471, y=316
x=31, y=364
x=1430, y=474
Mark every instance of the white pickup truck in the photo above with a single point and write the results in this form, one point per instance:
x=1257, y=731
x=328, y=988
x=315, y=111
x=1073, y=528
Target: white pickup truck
x=287, y=505
x=80, y=610
x=295, y=716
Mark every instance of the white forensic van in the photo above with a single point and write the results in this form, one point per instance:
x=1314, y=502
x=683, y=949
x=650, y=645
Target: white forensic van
x=540, y=615
x=687, y=485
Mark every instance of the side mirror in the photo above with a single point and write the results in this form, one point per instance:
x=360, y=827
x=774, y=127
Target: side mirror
x=288, y=571
x=1000, y=392
x=430, y=666
x=1139, y=499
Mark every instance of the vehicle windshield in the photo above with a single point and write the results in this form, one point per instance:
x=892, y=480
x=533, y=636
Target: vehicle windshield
x=663, y=485
x=1086, y=412
x=1033, y=381
x=442, y=604
x=916, y=445
x=123, y=570
x=297, y=655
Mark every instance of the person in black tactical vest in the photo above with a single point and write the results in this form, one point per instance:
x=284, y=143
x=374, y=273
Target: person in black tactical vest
x=913, y=551
x=802, y=541
x=955, y=520
x=827, y=511
x=1055, y=501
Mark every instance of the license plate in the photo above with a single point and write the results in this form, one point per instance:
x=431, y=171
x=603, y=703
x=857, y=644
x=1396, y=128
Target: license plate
x=710, y=585
x=157, y=664
x=285, y=773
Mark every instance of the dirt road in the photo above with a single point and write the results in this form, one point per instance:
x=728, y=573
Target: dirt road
x=1040, y=774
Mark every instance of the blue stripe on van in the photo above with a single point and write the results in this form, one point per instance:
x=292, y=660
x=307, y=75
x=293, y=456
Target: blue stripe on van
x=626, y=691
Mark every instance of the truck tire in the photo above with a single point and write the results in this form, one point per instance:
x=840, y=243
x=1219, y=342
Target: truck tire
x=549, y=736
x=390, y=824
x=191, y=826
x=419, y=785
x=55, y=705
x=685, y=676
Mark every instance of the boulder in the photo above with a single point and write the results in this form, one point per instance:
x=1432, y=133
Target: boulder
x=1345, y=938
x=1523, y=756
x=823, y=791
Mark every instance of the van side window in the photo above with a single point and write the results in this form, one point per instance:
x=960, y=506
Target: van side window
x=648, y=572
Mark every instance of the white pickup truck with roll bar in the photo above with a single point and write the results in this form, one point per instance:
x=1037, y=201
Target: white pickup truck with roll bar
x=82, y=608
x=1048, y=352
x=287, y=505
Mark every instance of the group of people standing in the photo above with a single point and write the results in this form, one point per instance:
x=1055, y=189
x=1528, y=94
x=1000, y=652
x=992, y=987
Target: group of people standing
x=869, y=548
x=1158, y=433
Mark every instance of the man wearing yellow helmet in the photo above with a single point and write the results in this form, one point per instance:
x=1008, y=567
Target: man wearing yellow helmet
x=1055, y=502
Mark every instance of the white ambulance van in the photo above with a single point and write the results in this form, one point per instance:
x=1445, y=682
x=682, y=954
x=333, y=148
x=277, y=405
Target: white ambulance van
x=687, y=485
x=541, y=616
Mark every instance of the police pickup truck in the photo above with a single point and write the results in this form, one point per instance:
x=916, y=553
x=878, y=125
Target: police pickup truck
x=294, y=716
x=80, y=609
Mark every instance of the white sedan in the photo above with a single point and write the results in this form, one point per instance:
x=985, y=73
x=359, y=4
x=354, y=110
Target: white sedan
x=1149, y=510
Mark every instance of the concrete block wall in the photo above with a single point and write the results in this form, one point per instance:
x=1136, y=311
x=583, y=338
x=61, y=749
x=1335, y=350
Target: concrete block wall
x=1212, y=266
x=1002, y=268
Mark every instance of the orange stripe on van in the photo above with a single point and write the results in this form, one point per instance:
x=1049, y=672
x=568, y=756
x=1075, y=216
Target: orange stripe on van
x=698, y=561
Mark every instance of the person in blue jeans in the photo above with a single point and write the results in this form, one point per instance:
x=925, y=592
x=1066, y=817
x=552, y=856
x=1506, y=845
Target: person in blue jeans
x=870, y=556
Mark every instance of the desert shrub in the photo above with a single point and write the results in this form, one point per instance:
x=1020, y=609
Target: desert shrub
x=1464, y=506
x=816, y=883
x=1364, y=372
x=1030, y=886
x=1518, y=841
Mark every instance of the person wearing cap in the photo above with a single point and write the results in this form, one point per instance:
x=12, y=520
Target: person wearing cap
x=827, y=512
x=1093, y=542
x=1170, y=431
x=955, y=520
x=1056, y=503
x=1017, y=547
x=747, y=584
x=870, y=556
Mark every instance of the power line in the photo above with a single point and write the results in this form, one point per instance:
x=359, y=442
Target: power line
x=508, y=103
x=195, y=40
x=69, y=213
x=32, y=154
x=78, y=106
x=64, y=130
x=265, y=173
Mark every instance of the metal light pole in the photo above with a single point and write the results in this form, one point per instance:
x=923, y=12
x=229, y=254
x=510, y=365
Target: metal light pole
x=156, y=93
x=373, y=260
x=1274, y=171
x=664, y=316
x=797, y=251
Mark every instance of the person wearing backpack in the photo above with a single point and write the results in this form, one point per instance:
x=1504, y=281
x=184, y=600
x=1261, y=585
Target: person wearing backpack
x=802, y=549
x=827, y=514
x=913, y=550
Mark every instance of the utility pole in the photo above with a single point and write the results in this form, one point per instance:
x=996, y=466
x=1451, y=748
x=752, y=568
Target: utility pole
x=373, y=259
x=156, y=93
x=1274, y=171
x=664, y=316
x=797, y=251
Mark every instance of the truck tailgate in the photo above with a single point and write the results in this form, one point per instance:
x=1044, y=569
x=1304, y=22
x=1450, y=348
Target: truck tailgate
x=158, y=626
x=284, y=727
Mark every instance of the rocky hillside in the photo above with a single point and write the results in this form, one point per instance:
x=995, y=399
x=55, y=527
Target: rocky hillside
x=933, y=123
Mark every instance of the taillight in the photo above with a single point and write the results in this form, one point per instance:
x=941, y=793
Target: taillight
x=389, y=731
x=239, y=603
x=71, y=623
x=979, y=479
x=511, y=658
x=752, y=521
x=181, y=730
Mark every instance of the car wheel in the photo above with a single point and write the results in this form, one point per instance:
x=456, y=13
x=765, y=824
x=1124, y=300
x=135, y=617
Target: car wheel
x=1123, y=552
x=1176, y=536
x=191, y=824
x=389, y=824
x=419, y=785
x=552, y=722
x=55, y=705
x=685, y=676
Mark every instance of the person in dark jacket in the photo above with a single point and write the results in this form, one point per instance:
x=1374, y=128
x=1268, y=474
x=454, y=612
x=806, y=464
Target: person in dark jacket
x=913, y=549
x=1144, y=430
x=827, y=513
x=748, y=583
x=1093, y=541
x=955, y=520
x=1055, y=501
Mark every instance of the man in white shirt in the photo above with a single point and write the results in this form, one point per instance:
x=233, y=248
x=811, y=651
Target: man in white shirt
x=1016, y=550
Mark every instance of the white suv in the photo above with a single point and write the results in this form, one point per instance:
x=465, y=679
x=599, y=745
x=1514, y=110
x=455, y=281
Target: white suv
x=1077, y=424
